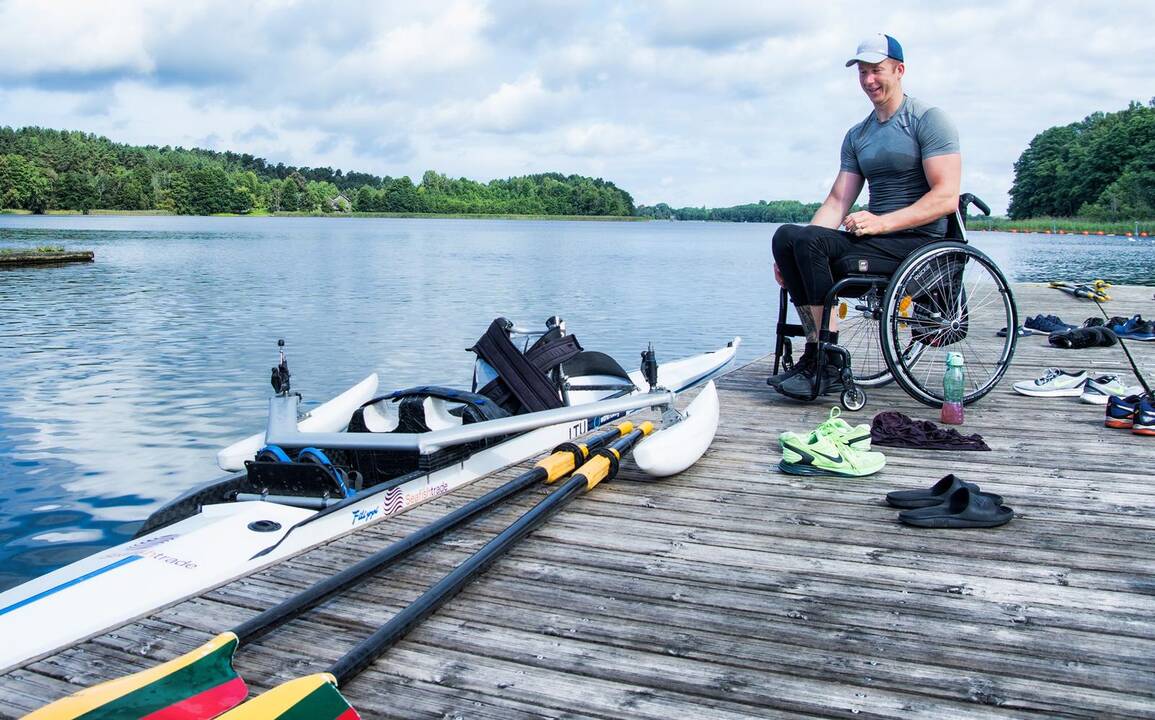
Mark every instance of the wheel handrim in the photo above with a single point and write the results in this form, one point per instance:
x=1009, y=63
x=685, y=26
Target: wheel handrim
x=963, y=317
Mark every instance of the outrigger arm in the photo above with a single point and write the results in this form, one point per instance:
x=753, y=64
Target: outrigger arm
x=282, y=428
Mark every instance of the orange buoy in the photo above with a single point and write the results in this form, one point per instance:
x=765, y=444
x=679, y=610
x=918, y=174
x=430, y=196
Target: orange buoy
x=1143, y=234
x=1099, y=233
x=1086, y=233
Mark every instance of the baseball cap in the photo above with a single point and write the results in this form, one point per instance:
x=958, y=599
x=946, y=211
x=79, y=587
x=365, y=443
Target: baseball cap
x=875, y=49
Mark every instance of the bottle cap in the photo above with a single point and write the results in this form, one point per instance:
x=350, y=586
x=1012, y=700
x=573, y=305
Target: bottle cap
x=954, y=359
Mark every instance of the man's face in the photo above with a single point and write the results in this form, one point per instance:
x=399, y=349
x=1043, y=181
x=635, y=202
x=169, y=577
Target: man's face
x=881, y=81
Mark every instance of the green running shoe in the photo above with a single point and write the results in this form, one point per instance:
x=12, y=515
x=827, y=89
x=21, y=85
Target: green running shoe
x=856, y=437
x=817, y=454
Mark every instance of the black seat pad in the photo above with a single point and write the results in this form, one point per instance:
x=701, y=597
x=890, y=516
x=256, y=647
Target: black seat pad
x=850, y=265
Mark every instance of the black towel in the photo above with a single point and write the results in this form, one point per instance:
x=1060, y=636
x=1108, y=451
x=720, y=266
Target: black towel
x=894, y=429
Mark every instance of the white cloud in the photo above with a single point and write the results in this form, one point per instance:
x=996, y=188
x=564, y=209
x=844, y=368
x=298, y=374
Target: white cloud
x=524, y=104
x=721, y=25
x=73, y=36
x=673, y=100
x=606, y=140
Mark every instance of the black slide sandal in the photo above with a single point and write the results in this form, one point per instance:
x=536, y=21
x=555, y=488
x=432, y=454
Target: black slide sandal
x=936, y=494
x=964, y=509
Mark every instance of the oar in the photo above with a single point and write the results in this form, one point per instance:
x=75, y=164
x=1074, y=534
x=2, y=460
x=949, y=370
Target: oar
x=1095, y=290
x=202, y=683
x=316, y=697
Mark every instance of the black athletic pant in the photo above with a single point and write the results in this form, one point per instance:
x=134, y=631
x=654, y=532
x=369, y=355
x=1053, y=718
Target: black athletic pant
x=805, y=254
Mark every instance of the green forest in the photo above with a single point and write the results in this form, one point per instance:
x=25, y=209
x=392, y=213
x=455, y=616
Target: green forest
x=1102, y=168
x=777, y=211
x=43, y=170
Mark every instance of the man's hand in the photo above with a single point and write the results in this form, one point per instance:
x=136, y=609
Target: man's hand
x=778, y=276
x=865, y=223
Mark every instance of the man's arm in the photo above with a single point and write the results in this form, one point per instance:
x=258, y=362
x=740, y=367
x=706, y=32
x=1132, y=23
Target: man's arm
x=944, y=174
x=842, y=195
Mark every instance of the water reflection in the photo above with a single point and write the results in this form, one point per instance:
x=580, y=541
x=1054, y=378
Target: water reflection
x=120, y=379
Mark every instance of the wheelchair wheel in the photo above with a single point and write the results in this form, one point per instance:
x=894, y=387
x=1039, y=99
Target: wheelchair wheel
x=947, y=297
x=858, y=323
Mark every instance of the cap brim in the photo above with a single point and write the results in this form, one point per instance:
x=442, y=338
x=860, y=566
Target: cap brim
x=867, y=57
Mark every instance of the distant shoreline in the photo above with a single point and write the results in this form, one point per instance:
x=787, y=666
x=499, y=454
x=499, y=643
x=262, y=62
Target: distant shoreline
x=1043, y=225
x=453, y=216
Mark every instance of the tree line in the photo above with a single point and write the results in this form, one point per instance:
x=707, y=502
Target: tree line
x=43, y=169
x=776, y=211
x=1102, y=168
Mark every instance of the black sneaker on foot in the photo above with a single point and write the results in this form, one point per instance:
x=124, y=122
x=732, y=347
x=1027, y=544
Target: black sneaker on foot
x=805, y=363
x=800, y=386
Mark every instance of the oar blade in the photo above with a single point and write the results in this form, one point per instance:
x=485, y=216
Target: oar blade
x=313, y=697
x=198, y=684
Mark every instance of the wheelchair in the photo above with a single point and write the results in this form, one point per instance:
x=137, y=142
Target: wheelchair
x=898, y=320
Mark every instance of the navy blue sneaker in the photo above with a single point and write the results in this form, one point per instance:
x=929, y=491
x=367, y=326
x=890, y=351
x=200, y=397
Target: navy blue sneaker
x=1046, y=324
x=1020, y=331
x=1144, y=422
x=1121, y=411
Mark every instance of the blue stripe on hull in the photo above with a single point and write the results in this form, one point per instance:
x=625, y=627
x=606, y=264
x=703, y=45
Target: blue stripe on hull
x=70, y=583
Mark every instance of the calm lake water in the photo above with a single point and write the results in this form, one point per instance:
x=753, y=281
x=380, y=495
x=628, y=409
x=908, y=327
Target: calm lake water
x=120, y=379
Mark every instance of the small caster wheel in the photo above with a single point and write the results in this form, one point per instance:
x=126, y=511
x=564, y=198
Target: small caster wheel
x=853, y=400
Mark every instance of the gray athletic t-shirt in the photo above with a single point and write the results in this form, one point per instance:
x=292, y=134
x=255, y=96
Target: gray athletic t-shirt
x=890, y=154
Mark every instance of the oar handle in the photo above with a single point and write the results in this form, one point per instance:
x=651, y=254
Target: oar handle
x=562, y=460
x=399, y=626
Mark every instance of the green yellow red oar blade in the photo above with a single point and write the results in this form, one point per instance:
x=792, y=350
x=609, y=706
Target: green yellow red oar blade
x=198, y=684
x=313, y=697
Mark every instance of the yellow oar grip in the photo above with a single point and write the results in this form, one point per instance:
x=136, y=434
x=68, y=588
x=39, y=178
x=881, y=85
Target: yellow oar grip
x=598, y=468
x=560, y=463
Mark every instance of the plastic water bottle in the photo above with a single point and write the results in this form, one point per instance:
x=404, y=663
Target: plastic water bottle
x=953, y=387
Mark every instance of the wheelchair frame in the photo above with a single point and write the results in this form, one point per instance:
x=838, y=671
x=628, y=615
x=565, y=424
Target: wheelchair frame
x=853, y=397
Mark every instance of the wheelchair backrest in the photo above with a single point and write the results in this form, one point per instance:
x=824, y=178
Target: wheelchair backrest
x=956, y=226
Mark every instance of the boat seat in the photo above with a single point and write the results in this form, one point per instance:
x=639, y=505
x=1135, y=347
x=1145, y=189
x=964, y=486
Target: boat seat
x=522, y=383
x=423, y=408
x=438, y=414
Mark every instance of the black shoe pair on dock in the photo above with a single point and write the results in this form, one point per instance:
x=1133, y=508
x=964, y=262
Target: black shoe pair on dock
x=950, y=503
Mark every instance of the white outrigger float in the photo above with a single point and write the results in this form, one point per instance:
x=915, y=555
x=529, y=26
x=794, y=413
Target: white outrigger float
x=309, y=486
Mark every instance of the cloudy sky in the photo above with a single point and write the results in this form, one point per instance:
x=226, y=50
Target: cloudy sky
x=687, y=102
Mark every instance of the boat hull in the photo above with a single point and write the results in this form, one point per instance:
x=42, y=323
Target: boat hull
x=225, y=541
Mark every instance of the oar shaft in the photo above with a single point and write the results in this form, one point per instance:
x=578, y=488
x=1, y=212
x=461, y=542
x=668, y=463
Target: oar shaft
x=561, y=462
x=594, y=471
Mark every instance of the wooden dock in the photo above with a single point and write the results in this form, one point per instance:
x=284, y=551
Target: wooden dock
x=734, y=591
x=55, y=257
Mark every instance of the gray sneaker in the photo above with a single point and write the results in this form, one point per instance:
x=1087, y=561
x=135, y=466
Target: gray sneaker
x=1054, y=383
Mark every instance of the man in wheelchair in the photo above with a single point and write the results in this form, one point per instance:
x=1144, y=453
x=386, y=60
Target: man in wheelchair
x=908, y=152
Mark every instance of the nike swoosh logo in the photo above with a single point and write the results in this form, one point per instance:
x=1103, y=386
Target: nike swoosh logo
x=808, y=455
x=832, y=458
